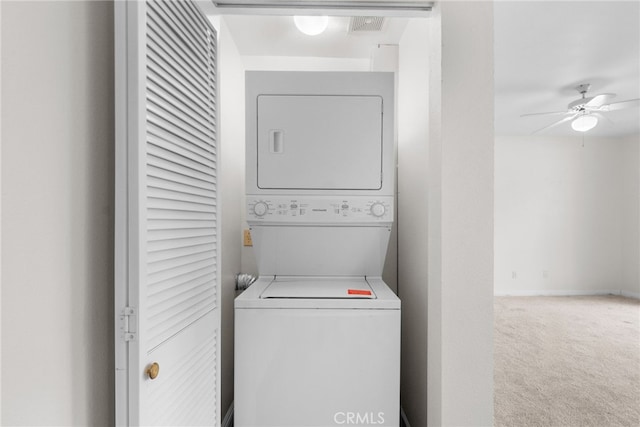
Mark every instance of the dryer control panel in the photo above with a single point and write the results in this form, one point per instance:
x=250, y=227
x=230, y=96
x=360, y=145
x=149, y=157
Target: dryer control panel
x=319, y=210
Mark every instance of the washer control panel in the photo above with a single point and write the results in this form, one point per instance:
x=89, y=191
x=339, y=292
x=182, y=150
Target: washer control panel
x=320, y=209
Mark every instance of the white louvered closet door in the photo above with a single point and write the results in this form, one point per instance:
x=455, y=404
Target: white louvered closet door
x=167, y=244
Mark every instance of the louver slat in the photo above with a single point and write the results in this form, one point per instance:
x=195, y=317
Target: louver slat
x=181, y=313
x=186, y=279
x=171, y=305
x=177, y=401
x=172, y=85
x=159, y=258
x=156, y=246
x=182, y=157
x=163, y=197
x=160, y=58
x=181, y=176
x=164, y=52
x=169, y=101
x=187, y=9
x=159, y=254
x=159, y=134
x=170, y=164
x=163, y=235
x=194, y=42
x=165, y=122
x=155, y=182
x=178, y=117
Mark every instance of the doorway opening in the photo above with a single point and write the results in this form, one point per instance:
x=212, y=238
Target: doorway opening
x=398, y=44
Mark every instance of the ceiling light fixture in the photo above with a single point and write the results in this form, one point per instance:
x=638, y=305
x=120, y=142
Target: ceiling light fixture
x=584, y=123
x=311, y=25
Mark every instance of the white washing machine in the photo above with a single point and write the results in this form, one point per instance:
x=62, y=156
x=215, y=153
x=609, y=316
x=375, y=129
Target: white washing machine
x=317, y=336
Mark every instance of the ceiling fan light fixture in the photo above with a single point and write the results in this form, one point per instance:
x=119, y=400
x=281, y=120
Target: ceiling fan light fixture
x=584, y=123
x=311, y=25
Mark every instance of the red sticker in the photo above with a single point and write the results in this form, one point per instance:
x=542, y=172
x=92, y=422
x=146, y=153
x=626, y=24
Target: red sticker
x=358, y=292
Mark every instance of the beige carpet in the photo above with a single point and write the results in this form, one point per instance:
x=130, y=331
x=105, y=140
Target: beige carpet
x=567, y=361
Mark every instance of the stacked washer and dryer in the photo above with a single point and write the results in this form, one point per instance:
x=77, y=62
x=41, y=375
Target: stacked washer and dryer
x=317, y=336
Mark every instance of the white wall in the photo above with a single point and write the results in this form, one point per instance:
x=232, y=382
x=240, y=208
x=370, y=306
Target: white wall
x=0, y=216
x=630, y=188
x=413, y=130
x=231, y=185
x=57, y=213
x=566, y=215
x=460, y=215
x=384, y=58
x=304, y=63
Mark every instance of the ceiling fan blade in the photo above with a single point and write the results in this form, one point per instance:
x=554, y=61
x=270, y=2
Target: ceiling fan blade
x=599, y=100
x=544, y=114
x=603, y=117
x=559, y=122
x=621, y=105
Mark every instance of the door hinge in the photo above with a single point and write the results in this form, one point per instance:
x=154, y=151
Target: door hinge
x=128, y=324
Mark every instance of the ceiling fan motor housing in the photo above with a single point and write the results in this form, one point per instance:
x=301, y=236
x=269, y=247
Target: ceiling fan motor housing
x=583, y=88
x=579, y=104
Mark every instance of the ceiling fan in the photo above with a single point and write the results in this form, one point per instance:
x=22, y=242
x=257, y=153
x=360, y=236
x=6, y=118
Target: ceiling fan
x=583, y=113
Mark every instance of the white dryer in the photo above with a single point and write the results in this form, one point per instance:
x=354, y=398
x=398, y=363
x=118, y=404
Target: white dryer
x=317, y=336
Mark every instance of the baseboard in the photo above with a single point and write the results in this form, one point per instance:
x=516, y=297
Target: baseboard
x=634, y=295
x=404, y=422
x=227, y=421
x=554, y=293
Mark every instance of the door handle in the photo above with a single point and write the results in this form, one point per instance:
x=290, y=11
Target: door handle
x=153, y=370
x=276, y=141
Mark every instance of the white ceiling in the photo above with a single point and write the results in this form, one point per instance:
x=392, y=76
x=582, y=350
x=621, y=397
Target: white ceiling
x=543, y=49
x=278, y=36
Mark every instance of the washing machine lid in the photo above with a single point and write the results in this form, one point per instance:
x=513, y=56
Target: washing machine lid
x=319, y=288
x=282, y=297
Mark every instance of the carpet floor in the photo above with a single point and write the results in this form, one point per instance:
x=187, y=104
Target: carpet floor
x=567, y=361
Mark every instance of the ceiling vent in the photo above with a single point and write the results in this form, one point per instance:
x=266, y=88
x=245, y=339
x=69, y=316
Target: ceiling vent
x=359, y=24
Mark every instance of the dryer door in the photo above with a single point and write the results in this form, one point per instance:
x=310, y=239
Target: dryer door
x=319, y=142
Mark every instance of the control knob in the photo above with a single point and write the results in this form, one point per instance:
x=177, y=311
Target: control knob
x=260, y=208
x=378, y=209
